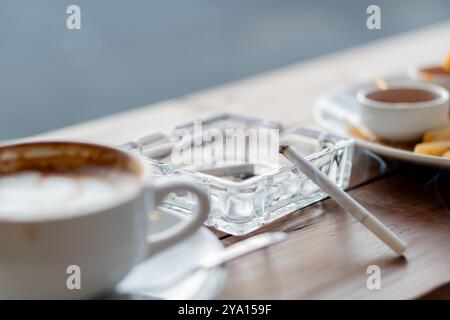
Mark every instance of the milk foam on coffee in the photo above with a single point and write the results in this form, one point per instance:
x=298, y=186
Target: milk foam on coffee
x=33, y=194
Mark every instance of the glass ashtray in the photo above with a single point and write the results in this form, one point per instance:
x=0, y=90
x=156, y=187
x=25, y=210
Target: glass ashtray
x=235, y=159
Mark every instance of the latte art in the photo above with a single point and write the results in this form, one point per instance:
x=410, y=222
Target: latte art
x=32, y=194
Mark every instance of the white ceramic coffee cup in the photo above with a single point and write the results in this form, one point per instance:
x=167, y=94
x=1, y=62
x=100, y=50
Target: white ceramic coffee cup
x=36, y=255
x=403, y=121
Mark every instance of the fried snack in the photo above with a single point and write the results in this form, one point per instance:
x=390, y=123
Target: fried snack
x=434, y=148
x=446, y=154
x=437, y=135
x=447, y=63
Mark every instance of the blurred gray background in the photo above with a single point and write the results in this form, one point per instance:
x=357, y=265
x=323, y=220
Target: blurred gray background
x=135, y=52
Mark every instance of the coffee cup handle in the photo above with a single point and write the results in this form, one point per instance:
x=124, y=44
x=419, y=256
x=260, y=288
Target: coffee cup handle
x=184, y=229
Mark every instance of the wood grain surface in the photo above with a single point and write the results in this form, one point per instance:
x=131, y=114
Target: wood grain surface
x=328, y=257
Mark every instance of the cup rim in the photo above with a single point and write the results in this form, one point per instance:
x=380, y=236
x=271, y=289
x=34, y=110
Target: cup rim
x=442, y=96
x=142, y=180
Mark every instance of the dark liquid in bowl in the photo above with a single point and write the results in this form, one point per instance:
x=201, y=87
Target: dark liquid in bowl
x=402, y=95
x=435, y=71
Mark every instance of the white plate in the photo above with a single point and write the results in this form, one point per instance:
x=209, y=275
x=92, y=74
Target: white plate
x=201, y=285
x=335, y=109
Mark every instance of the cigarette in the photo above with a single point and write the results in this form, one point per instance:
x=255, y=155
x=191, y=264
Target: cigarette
x=344, y=200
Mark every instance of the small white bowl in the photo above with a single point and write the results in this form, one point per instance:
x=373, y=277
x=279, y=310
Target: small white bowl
x=418, y=72
x=395, y=121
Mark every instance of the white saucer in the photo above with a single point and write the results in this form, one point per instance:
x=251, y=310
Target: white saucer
x=335, y=109
x=201, y=285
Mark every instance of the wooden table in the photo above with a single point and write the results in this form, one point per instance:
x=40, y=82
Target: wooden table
x=326, y=257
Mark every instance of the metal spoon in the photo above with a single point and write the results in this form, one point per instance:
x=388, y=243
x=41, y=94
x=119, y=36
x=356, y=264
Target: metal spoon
x=233, y=252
